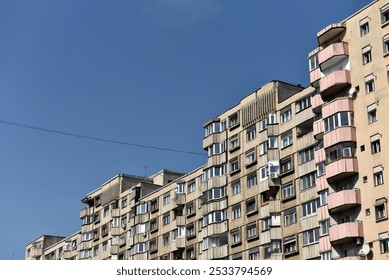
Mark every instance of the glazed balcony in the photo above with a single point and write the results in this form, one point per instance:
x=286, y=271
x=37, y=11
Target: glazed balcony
x=214, y=182
x=213, y=138
x=340, y=134
x=343, y=200
x=345, y=232
x=341, y=104
x=330, y=32
x=341, y=168
x=332, y=55
x=218, y=252
x=317, y=102
x=334, y=82
x=214, y=206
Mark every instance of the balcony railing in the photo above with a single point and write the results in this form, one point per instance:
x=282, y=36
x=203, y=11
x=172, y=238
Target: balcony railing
x=334, y=82
x=344, y=232
x=332, y=55
x=343, y=200
x=341, y=168
x=330, y=32
x=340, y=134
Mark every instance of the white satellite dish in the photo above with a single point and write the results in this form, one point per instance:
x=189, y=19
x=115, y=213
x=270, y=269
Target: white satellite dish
x=365, y=249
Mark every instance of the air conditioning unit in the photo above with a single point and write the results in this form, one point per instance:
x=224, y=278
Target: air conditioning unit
x=273, y=175
x=353, y=91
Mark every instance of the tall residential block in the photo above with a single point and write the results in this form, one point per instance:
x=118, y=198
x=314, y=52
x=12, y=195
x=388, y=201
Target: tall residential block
x=291, y=173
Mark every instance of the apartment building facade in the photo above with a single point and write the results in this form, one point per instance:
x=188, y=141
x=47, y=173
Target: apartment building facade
x=292, y=172
x=349, y=69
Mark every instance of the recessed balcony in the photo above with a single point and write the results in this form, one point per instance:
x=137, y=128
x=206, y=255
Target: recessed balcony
x=343, y=200
x=341, y=168
x=340, y=104
x=334, y=82
x=332, y=55
x=340, y=134
x=345, y=232
x=330, y=32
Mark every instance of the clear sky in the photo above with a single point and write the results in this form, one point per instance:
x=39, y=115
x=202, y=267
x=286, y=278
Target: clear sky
x=147, y=72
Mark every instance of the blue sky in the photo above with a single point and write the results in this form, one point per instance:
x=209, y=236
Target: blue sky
x=148, y=72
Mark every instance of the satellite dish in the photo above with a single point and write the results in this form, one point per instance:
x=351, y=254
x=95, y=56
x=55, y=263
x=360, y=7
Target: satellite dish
x=365, y=249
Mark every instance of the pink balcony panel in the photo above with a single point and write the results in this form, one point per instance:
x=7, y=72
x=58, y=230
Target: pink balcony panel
x=340, y=134
x=320, y=155
x=314, y=76
x=330, y=32
x=324, y=243
x=332, y=55
x=317, y=102
x=321, y=184
x=343, y=200
x=352, y=258
x=334, y=82
x=341, y=168
x=338, y=105
x=344, y=232
x=317, y=128
x=322, y=213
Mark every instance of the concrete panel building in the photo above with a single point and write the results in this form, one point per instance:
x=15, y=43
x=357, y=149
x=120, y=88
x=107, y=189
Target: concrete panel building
x=292, y=172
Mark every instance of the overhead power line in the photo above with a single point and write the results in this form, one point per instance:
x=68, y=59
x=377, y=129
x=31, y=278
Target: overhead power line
x=111, y=141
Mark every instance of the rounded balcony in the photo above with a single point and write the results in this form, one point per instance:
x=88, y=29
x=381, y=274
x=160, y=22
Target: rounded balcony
x=332, y=55
x=334, y=82
x=341, y=168
x=343, y=200
x=346, y=232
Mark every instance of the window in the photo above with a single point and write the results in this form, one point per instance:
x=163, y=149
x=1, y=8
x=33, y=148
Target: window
x=115, y=222
x=303, y=103
x=323, y=197
x=380, y=209
x=166, y=198
x=343, y=150
x=366, y=55
x=326, y=256
x=190, y=253
x=233, y=120
x=306, y=155
x=251, y=180
x=234, y=142
x=290, y=245
x=288, y=191
x=251, y=133
x=153, y=245
x=214, y=217
x=324, y=227
x=234, y=165
x=378, y=175
x=286, y=139
x=286, y=165
x=251, y=230
x=191, y=186
x=153, y=225
x=254, y=255
x=290, y=216
x=272, y=118
x=285, y=114
x=385, y=14
x=106, y=211
x=251, y=205
x=273, y=169
x=190, y=230
x=384, y=246
x=166, y=219
x=369, y=84
x=311, y=236
x=385, y=42
x=141, y=208
x=372, y=113
x=216, y=149
x=263, y=148
x=262, y=124
x=214, y=128
x=190, y=208
x=272, y=142
x=308, y=181
x=165, y=239
x=313, y=62
x=236, y=211
x=337, y=120
x=235, y=236
x=154, y=205
x=310, y=207
x=250, y=157
x=217, y=193
x=235, y=187
x=105, y=246
x=364, y=27
x=320, y=169
x=375, y=144
x=179, y=189
x=124, y=202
